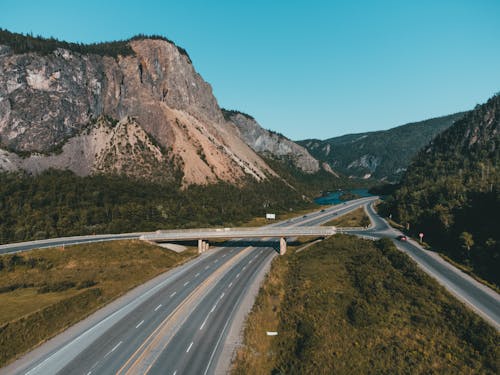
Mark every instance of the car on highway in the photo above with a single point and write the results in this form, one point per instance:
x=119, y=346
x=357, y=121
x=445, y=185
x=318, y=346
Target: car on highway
x=322, y=211
x=402, y=238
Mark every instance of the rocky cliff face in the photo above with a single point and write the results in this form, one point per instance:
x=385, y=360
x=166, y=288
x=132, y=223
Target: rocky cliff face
x=52, y=101
x=272, y=144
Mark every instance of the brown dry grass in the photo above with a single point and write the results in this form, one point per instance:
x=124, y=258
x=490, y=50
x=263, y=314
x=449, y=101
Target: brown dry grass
x=57, y=280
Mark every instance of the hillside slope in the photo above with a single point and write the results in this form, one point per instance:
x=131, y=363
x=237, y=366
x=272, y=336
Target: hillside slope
x=451, y=191
x=382, y=154
x=272, y=144
x=51, y=92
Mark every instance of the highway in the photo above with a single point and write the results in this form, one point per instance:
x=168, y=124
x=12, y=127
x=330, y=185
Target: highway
x=483, y=300
x=176, y=323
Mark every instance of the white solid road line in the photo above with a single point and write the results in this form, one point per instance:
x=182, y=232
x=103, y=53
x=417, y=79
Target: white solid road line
x=114, y=348
x=213, y=307
x=203, y=324
x=189, y=347
x=157, y=307
x=140, y=324
x=173, y=294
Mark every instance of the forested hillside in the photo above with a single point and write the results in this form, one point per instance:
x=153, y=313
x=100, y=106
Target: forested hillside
x=381, y=154
x=58, y=203
x=451, y=191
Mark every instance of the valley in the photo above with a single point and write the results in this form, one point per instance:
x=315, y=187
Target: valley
x=150, y=226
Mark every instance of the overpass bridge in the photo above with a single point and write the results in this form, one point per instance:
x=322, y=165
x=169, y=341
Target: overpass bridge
x=204, y=234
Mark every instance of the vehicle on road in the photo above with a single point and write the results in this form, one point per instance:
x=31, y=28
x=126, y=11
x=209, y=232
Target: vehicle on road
x=402, y=238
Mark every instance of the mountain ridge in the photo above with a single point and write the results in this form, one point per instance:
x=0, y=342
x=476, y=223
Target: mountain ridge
x=382, y=154
x=48, y=98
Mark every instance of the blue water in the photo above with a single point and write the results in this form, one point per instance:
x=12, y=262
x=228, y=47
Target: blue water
x=334, y=197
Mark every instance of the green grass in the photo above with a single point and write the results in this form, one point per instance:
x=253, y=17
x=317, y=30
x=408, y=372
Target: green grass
x=356, y=218
x=350, y=306
x=44, y=291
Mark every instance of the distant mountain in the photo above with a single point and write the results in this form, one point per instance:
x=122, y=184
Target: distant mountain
x=382, y=155
x=272, y=144
x=451, y=192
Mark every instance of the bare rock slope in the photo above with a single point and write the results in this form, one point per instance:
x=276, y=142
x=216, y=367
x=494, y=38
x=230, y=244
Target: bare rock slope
x=145, y=114
x=271, y=143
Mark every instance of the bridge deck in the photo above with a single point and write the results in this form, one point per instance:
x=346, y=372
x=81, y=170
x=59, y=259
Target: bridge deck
x=250, y=232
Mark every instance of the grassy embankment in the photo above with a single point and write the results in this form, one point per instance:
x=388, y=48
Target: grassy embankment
x=356, y=218
x=44, y=291
x=351, y=306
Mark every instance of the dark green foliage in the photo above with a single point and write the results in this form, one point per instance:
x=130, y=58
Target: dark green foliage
x=386, y=152
x=59, y=203
x=311, y=184
x=21, y=43
x=59, y=286
x=451, y=192
x=228, y=113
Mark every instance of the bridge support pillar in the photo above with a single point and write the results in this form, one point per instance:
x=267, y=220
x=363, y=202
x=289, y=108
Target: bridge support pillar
x=282, y=245
x=202, y=246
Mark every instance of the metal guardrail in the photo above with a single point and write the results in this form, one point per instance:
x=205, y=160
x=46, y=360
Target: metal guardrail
x=248, y=232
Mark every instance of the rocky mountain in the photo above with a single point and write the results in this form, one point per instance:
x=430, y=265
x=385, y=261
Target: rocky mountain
x=136, y=107
x=451, y=191
x=272, y=144
x=384, y=155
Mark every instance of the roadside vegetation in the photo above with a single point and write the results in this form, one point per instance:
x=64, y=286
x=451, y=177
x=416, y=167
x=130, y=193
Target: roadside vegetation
x=59, y=203
x=356, y=218
x=44, y=291
x=451, y=192
x=352, y=306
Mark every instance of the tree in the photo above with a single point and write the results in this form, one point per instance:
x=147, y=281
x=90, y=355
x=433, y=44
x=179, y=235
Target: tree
x=466, y=241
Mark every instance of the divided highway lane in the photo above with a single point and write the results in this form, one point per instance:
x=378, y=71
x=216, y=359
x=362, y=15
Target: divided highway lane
x=130, y=332
x=106, y=345
x=196, y=346
x=479, y=297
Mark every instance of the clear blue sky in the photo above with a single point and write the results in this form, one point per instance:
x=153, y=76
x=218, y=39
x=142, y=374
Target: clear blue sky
x=306, y=68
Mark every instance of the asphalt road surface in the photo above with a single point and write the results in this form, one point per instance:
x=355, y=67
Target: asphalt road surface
x=176, y=325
